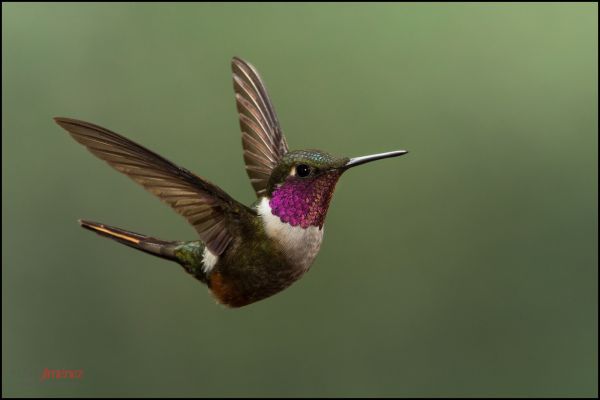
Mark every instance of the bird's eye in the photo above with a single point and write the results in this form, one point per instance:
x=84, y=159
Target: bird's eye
x=302, y=170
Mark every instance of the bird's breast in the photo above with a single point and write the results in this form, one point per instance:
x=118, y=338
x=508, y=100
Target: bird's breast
x=254, y=268
x=300, y=245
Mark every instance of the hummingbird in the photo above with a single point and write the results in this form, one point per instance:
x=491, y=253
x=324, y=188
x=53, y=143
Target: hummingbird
x=244, y=253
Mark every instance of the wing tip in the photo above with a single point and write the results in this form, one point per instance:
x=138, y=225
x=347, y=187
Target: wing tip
x=238, y=60
x=69, y=124
x=62, y=121
x=243, y=64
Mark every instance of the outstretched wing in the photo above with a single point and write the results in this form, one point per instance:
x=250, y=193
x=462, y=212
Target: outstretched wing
x=262, y=138
x=207, y=207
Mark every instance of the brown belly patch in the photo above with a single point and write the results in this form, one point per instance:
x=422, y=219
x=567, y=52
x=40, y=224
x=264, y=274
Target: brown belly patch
x=226, y=293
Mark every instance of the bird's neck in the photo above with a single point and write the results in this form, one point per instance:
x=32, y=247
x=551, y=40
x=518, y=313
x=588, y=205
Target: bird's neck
x=304, y=202
x=300, y=245
x=294, y=216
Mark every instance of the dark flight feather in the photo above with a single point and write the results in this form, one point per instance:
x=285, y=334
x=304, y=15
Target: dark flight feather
x=211, y=211
x=262, y=139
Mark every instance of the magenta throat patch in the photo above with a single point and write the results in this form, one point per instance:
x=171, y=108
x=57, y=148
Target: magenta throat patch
x=304, y=202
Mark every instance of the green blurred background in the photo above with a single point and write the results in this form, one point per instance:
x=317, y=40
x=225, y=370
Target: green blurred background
x=468, y=267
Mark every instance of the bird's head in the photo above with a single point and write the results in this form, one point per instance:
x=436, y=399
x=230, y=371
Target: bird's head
x=295, y=186
x=302, y=184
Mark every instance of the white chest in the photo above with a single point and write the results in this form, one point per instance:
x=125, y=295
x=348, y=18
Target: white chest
x=300, y=245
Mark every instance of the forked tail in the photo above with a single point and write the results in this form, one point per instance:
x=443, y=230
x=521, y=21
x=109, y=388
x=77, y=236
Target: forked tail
x=150, y=245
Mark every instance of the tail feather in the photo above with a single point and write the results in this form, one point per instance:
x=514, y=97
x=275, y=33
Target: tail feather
x=147, y=244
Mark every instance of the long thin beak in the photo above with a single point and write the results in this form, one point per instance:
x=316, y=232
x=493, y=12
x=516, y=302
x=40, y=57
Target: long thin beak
x=365, y=159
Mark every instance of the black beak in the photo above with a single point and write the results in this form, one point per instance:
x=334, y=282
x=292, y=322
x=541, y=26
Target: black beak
x=365, y=159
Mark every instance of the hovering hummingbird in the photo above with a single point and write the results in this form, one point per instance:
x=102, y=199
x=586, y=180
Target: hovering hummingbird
x=245, y=254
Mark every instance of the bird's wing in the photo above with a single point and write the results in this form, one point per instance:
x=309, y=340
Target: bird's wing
x=263, y=141
x=208, y=208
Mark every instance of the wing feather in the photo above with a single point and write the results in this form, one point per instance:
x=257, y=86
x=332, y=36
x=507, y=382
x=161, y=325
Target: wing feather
x=209, y=209
x=262, y=139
